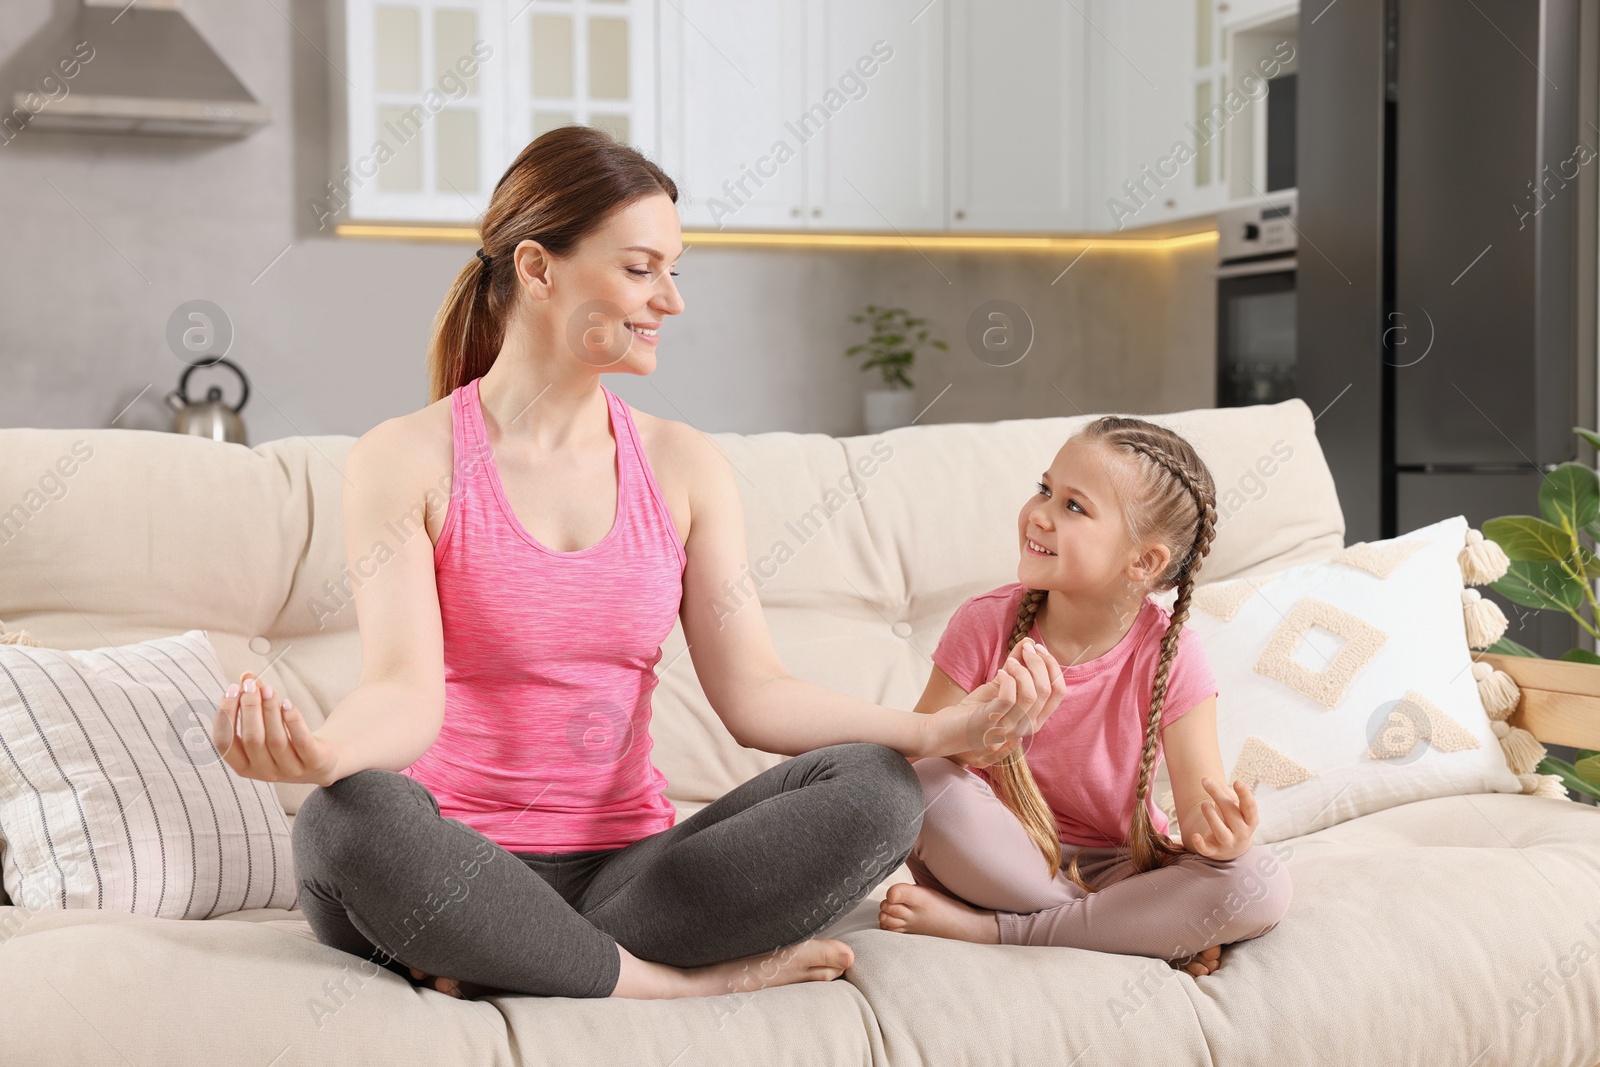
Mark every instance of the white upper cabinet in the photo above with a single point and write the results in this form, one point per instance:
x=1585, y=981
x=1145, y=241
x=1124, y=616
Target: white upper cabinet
x=442, y=94
x=732, y=89
x=1144, y=162
x=850, y=115
x=1018, y=78
x=586, y=61
x=1177, y=105
x=422, y=129
x=874, y=114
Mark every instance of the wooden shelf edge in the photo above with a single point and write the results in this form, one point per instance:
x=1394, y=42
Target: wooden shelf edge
x=1560, y=700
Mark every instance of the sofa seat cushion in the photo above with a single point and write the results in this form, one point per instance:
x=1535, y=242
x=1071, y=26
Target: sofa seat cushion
x=94, y=988
x=1409, y=939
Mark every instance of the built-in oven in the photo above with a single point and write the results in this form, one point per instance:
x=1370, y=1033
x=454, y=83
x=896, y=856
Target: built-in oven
x=1256, y=258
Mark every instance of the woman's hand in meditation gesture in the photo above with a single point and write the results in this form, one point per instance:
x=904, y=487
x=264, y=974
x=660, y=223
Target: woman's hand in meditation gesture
x=265, y=738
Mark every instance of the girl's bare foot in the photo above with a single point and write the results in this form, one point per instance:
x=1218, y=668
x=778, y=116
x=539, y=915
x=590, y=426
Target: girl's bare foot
x=1202, y=964
x=811, y=960
x=921, y=909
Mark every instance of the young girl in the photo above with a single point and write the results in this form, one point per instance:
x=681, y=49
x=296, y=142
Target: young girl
x=1126, y=509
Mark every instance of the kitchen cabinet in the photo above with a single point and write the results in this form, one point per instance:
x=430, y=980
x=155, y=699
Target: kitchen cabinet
x=441, y=95
x=580, y=61
x=1018, y=84
x=822, y=114
x=732, y=86
x=875, y=99
x=1019, y=116
x=1146, y=164
x=421, y=120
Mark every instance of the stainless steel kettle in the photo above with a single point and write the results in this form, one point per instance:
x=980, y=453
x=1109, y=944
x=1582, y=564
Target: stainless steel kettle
x=210, y=417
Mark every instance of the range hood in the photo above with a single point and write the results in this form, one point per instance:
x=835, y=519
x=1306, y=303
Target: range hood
x=151, y=72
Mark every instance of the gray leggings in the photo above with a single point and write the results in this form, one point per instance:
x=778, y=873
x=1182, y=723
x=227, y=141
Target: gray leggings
x=384, y=876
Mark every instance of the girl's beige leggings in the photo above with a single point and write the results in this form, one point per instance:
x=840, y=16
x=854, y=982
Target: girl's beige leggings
x=973, y=848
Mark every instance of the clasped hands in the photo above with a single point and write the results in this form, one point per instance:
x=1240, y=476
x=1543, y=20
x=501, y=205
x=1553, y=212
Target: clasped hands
x=994, y=718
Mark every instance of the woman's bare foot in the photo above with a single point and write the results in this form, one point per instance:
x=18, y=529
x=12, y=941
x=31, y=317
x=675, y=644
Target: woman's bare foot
x=452, y=987
x=811, y=960
x=1202, y=964
x=921, y=909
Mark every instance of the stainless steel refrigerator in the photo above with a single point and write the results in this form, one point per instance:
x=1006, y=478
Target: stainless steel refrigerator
x=1447, y=157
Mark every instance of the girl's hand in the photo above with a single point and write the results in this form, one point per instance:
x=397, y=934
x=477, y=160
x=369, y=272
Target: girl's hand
x=995, y=717
x=272, y=742
x=1233, y=822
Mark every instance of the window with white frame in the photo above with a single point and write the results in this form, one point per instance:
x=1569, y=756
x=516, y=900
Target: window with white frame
x=443, y=94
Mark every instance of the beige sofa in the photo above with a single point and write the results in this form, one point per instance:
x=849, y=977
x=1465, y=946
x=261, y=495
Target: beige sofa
x=1413, y=935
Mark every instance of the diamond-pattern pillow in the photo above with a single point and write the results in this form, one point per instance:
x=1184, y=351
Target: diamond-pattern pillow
x=1346, y=686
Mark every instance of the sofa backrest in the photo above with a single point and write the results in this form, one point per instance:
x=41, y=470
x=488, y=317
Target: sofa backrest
x=860, y=550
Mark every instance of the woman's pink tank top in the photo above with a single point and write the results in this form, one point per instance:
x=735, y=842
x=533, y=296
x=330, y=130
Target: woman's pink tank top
x=549, y=657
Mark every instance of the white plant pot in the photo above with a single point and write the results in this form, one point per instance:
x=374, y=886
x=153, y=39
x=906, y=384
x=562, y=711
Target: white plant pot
x=887, y=408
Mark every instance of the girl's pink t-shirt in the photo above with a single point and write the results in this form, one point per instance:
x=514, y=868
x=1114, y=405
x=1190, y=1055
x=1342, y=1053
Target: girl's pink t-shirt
x=1086, y=755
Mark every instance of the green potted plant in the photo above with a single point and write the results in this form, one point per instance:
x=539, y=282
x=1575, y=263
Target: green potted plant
x=1553, y=568
x=896, y=337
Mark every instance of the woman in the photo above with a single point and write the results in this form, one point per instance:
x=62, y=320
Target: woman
x=489, y=817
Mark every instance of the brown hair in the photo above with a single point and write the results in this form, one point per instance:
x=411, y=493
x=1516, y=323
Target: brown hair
x=559, y=189
x=1173, y=502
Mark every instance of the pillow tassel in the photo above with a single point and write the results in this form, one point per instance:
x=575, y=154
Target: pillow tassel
x=19, y=637
x=1497, y=690
x=1486, y=623
x=1482, y=561
x=1523, y=750
x=1543, y=785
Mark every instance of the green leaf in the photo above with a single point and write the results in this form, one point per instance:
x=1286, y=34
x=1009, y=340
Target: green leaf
x=1527, y=537
x=1540, y=585
x=1507, y=647
x=1588, y=769
x=1588, y=435
x=1580, y=655
x=1569, y=496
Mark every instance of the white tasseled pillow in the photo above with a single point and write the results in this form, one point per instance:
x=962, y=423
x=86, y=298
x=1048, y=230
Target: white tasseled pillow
x=1347, y=686
x=112, y=796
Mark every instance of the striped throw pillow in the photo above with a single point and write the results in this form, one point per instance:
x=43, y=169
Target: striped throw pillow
x=112, y=795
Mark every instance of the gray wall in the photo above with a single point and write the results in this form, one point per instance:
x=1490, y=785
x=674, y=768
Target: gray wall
x=104, y=235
